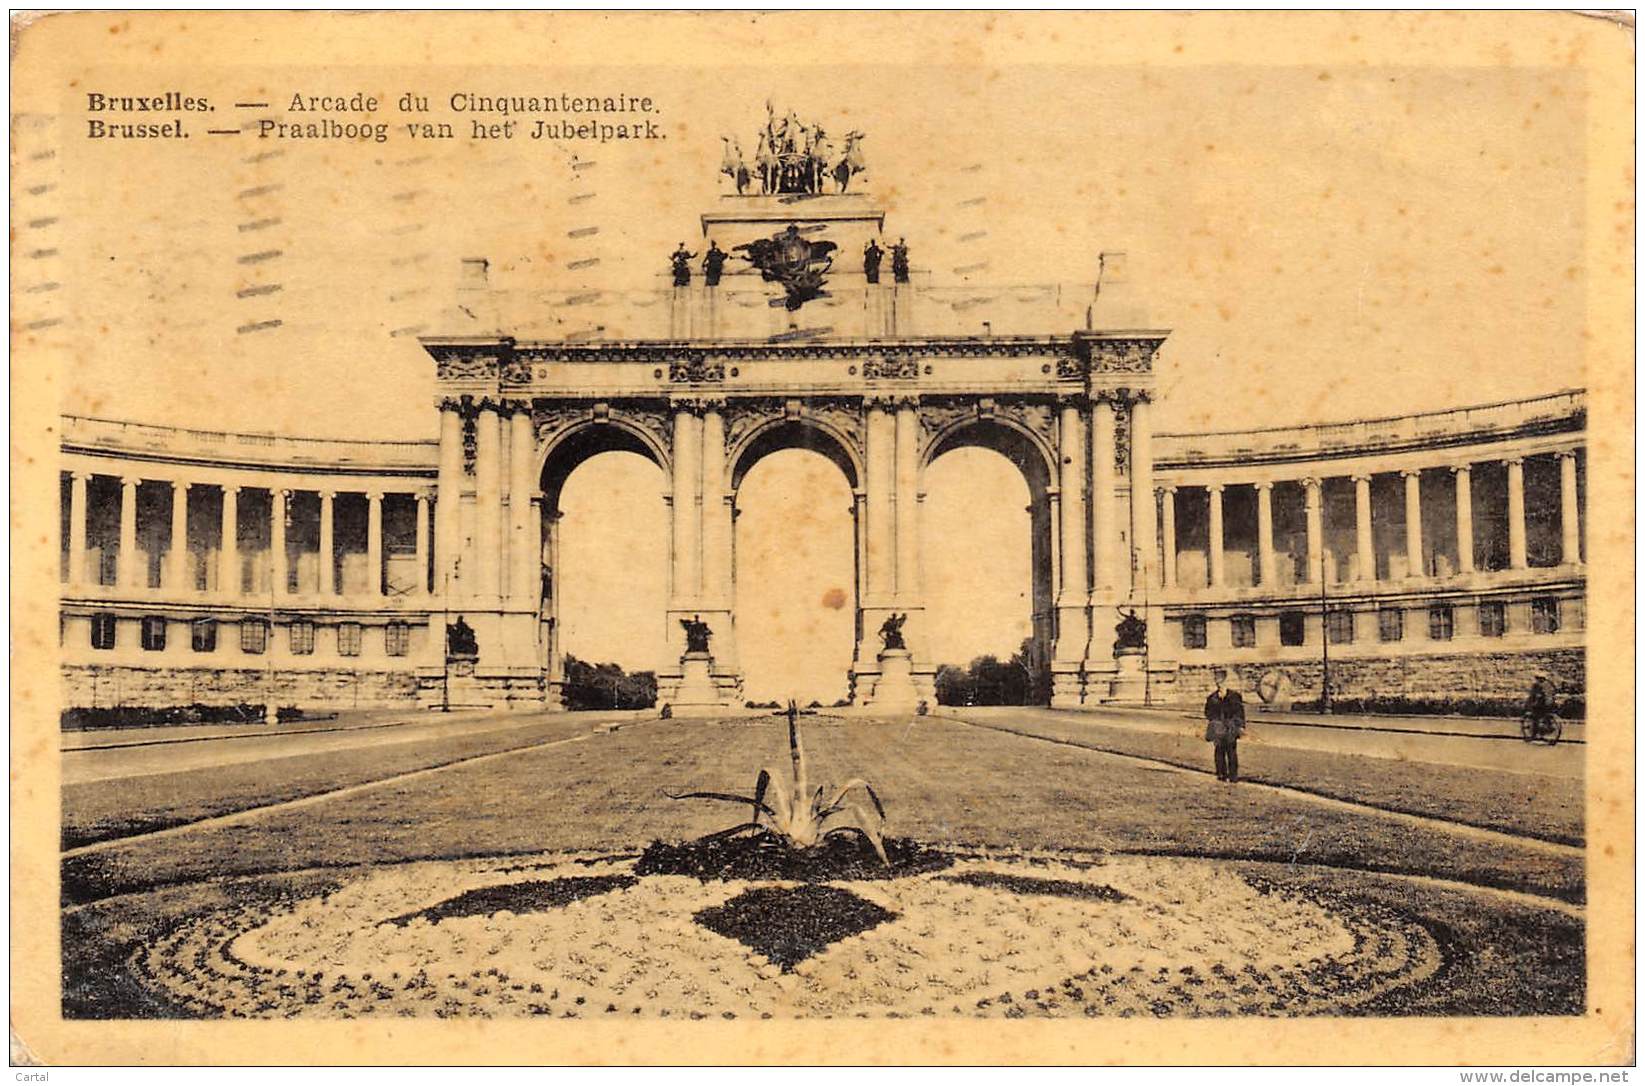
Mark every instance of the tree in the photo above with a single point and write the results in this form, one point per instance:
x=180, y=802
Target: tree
x=607, y=686
x=987, y=680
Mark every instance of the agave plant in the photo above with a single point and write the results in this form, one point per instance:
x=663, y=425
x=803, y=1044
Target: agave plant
x=798, y=815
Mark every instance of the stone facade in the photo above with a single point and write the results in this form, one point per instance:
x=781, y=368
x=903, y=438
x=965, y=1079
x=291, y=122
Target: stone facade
x=97, y=686
x=1245, y=547
x=1450, y=677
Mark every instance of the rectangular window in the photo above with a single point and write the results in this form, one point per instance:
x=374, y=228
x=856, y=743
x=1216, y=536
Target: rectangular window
x=102, y=631
x=1545, y=615
x=1339, y=626
x=302, y=638
x=205, y=635
x=1293, y=628
x=1391, y=624
x=1193, y=631
x=1493, y=619
x=1242, y=629
x=348, y=639
x=154, y=634
x=1441, y=623
x=397, y=638
x=253, y=635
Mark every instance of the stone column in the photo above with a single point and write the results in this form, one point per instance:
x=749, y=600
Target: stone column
x=374, y=543
x=177, y=553
x=77, y=527
x=126, y=573
x=881, y=472
x=1413, y=524
x=422, y=542
x=1265, y=534
x=1168, y=535
x=859, y=525
x=449, y=500
x=1316, y=528
x=328, y=544
x=716, y=512
x=1516, y=513
x=229, y=574
x=717, y=543
x=687, y=576
x=1570, y=516
x=1143, y=540
x=551, y=609
x=1214, y=493
x=1073, y=632
x=1365, y=543
x=1465, y=519
x=908, y=503
x=1071, y=485
x=279, y=573
x=488, y=503
x=524, y=526
x=1104, y=528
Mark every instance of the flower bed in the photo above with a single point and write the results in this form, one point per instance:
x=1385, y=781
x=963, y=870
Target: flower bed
x=980, y=936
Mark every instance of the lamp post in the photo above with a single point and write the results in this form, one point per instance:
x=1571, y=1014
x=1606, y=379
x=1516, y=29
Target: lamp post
x=1324, y=633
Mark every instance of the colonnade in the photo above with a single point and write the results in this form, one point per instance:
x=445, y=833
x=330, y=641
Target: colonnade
x=1364, y=539
x=130, y=575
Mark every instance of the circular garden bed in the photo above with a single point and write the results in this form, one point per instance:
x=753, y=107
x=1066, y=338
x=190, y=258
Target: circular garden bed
x=663, y=935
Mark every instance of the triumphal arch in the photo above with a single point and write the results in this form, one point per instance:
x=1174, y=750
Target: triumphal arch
x=788, y=335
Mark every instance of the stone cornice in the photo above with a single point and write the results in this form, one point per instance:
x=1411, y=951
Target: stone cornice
x=500, y=358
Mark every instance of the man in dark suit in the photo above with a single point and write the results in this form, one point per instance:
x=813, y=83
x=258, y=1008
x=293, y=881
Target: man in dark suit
x=1224, y=724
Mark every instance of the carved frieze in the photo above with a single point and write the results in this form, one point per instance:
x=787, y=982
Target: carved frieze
x=1037, y=416
x=937, y=415
x=696, y=371
x=466, y=365
x=1124, y=355
x=743, y=416
x=517, y=371
x=654, y=419
x=550, y=418
x=891, y=369
x=841, y=415
x=1070, y=368
x=1122, y=442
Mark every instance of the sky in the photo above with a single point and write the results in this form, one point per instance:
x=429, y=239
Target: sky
x=1323, y=242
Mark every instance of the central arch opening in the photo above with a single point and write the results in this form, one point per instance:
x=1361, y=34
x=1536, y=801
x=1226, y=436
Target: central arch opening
x=796, y=578
x=605, y=558
x=986, y=540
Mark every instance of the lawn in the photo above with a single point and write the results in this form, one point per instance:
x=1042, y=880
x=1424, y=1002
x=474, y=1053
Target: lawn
x=1531, y=804
x=100, y=810
x=941, y=781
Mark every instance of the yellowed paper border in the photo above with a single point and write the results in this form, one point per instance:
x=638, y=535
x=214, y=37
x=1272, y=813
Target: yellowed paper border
x=48, y=52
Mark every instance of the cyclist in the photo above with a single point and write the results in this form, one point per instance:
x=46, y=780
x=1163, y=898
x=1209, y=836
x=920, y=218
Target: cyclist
x=1539, y=704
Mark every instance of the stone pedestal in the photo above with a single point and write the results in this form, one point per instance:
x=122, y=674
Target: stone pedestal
x=1129, y=685
x=697, y=694
x=895, y=689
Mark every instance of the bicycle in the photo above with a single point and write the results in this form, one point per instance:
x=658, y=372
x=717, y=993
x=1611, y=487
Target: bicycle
x=1541, y=728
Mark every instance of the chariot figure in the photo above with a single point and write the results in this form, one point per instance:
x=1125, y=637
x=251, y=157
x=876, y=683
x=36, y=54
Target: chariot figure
x=851, y=162
x=733, y=165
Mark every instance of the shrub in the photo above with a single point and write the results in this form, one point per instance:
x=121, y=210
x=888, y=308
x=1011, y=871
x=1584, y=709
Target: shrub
x=601, y=687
